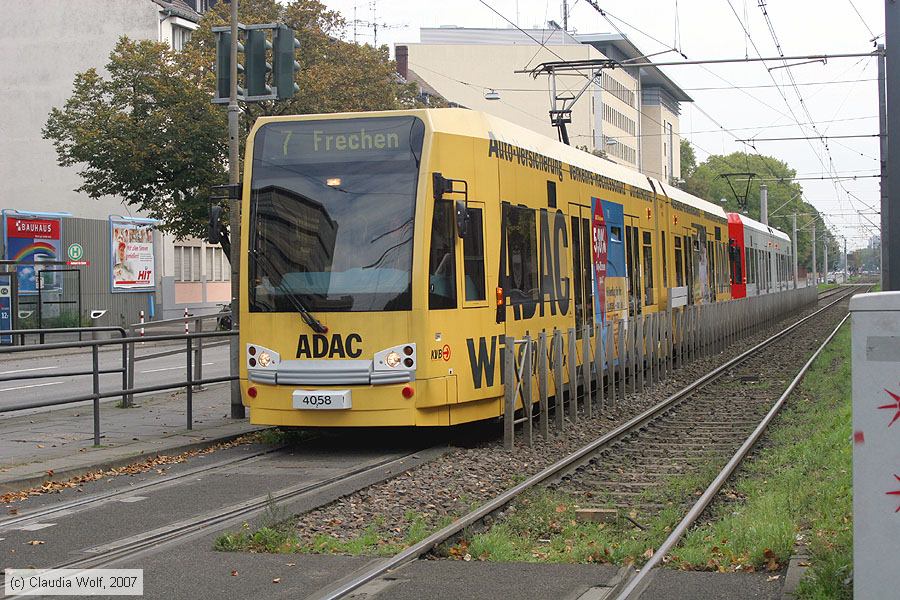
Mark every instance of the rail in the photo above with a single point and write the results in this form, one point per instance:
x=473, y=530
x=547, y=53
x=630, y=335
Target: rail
x=128, y=389
x=601, y=361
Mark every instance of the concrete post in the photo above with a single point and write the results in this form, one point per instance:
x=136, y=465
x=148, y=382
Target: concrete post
x=815, y=270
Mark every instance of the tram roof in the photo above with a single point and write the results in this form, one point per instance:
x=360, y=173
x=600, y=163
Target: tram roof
x=758, y=226
x=477, y=124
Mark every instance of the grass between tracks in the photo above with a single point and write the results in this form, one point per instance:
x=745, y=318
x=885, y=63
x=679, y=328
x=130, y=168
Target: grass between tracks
x=278, y=535
x=796, y=486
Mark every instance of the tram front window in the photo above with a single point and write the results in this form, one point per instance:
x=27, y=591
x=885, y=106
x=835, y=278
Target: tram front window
x=332, y=208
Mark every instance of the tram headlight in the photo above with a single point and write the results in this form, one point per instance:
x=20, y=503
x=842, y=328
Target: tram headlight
x=261, y=357
x=395, y=358
x=392, y=359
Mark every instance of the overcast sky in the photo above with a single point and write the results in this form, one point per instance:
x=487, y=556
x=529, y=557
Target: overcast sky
x=709, y=29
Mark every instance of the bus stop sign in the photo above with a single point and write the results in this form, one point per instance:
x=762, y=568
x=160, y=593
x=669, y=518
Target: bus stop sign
x=6, y=323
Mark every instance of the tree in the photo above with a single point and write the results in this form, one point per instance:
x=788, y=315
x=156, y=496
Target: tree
x=707, y=181
x=688, y=160
x=146, y=130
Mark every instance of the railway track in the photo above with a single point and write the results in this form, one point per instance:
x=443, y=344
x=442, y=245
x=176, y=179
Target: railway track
x=77, y=505
x=92, y=555
x=703, y=423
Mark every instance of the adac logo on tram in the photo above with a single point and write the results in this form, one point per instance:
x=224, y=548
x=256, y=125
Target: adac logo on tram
x=334, y=346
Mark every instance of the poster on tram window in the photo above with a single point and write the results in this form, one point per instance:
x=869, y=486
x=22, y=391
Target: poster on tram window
x=132, y=262
x=31, y=241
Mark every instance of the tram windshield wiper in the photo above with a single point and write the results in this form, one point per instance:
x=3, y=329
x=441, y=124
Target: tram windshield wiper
x=295, y=301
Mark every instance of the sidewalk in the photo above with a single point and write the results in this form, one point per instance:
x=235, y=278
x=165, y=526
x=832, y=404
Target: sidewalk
x=61, y=440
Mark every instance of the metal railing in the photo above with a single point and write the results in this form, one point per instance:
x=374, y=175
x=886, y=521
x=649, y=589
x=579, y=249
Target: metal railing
x=638, y=353
x=137, y=330
x=128, y=389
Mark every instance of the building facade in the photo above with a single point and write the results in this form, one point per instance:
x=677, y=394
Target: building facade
x=44, y=45
x=629, y=114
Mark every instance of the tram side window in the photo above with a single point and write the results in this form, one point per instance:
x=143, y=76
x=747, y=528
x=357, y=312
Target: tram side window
x=751, y=264
x=576, y=280
x=587, y=256
x=633, y=266
x=734, y=255
x=679, y=265
x=665, y=260
x=723, y=267
x=473, y=253
x=442, y=259
x=648, y=267
x=521, y=250
x=711, y=266
x=581, y=271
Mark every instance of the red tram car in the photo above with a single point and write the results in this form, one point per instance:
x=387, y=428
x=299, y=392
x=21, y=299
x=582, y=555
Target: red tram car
x=760, y=257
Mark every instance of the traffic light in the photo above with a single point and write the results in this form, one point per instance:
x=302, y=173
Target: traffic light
x=284, y=65
x=223, y=65
x=257, y=69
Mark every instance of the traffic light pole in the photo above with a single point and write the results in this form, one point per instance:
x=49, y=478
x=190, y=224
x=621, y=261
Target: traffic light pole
x=884, y=259
x=234, y=213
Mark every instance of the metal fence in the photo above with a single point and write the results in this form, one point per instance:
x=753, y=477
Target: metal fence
x=605, y=360
x=191, y=344
x=137, y=330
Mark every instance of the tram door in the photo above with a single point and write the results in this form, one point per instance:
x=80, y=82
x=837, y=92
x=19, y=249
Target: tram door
x=633, y=264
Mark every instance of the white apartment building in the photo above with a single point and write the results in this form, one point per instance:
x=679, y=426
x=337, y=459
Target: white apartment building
x=630, y=114
x=44, y=44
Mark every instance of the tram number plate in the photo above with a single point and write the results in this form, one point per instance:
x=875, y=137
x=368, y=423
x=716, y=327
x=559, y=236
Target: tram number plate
x=321, y=399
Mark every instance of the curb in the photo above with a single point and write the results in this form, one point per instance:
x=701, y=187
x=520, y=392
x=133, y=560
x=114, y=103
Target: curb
x=797, y=566
x=38, y=478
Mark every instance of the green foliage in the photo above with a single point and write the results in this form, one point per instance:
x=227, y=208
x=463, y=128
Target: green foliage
x=146, y=130
x=688, y=160
x=543, y=528
x=705, y=181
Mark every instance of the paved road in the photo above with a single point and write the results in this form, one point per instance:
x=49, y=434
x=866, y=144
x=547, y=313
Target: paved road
x=155, y=371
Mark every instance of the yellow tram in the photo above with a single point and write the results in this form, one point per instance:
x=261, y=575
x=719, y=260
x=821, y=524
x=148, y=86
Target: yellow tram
x=387, y=254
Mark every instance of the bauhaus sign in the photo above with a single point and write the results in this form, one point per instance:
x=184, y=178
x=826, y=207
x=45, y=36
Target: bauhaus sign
x=31, y=241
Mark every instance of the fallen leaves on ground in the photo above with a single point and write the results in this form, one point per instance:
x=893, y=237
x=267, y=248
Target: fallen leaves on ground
x=136, y=468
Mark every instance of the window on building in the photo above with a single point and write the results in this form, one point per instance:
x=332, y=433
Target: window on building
x=180, y=37
x=217, y=267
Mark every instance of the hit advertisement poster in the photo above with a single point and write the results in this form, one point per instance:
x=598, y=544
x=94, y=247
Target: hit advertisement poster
x=133, y=260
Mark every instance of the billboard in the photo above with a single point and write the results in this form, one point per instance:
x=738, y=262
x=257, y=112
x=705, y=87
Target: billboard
x=132, y=259
x=6, y=323
x=32, y=240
